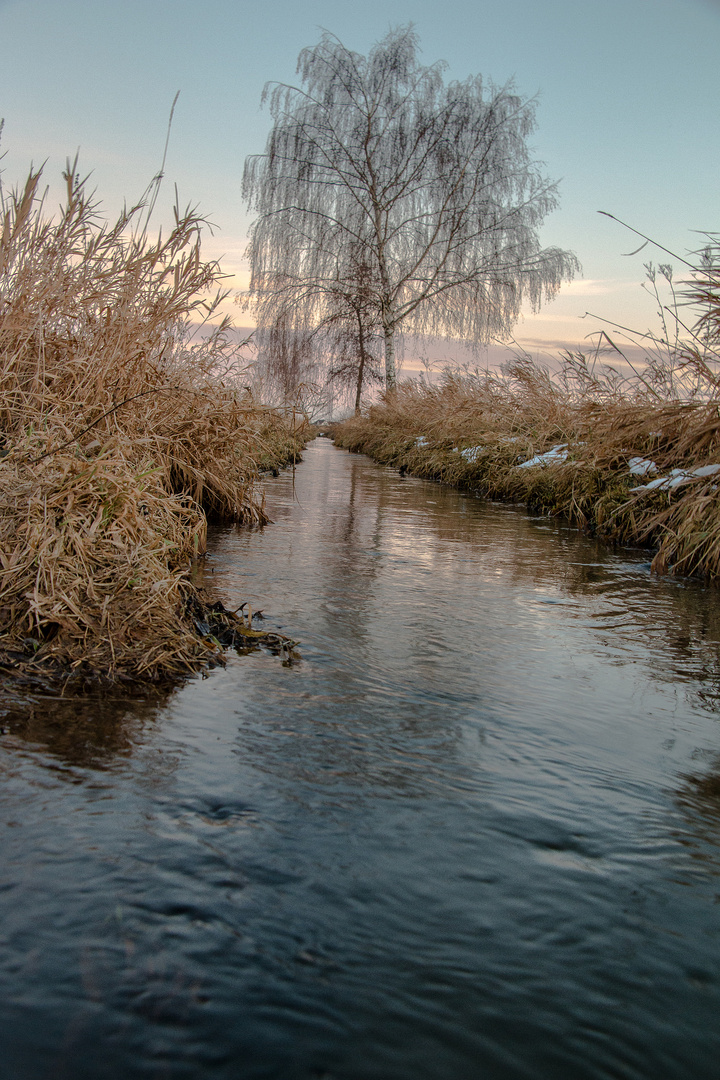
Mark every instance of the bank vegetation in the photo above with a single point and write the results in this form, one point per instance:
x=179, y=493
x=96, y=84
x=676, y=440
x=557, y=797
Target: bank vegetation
x=630, y=454
x=121, y=435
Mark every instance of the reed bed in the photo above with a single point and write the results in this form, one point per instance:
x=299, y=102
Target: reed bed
x=631, y=459
x=121, y=435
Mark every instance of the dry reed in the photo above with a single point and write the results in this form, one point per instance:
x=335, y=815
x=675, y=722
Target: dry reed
x=120, y=434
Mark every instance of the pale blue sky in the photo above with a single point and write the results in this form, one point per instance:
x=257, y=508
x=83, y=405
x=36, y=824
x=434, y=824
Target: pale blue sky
x=629, y=98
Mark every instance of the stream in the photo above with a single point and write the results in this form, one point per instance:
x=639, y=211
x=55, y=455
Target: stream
x=473, y=832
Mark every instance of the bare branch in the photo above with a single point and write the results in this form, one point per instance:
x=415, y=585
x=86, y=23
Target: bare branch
x=385, y=192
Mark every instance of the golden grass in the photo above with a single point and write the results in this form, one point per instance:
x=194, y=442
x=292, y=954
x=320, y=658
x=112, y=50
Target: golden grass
x=119, y=436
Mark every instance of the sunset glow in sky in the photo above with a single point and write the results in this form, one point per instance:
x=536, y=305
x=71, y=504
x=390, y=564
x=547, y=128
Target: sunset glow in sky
x=628, y=116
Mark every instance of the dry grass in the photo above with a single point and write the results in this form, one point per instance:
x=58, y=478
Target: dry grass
x=476, y=430
x=119, y=436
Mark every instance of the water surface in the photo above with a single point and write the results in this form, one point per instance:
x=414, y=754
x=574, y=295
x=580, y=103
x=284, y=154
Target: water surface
x=474, y=832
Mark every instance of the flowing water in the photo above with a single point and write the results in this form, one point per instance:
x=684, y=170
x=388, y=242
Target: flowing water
x=473, y=833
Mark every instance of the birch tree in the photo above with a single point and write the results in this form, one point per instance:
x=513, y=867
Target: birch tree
x=432, y=183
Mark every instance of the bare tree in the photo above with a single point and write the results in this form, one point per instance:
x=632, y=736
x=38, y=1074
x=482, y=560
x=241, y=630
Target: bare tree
x=432, y=183
x=287, y=356
x=351, y=340
x=314, y=334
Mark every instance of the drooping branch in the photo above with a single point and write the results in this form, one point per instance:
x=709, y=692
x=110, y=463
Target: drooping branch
x=383, y=187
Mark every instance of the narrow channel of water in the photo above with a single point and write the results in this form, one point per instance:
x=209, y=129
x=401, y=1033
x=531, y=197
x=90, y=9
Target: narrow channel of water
x=473, y=833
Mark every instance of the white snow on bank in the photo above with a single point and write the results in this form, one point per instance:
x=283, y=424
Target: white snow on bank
x=472, y=453
x=641, y=466
x=550, y=457
x=678, y=477
x=421, y=441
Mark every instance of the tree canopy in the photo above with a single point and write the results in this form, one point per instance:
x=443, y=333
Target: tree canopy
x=375, y=162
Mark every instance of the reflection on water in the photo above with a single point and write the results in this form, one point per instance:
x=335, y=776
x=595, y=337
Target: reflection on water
x=474, y=832
x=702, y=793
x=93, y=732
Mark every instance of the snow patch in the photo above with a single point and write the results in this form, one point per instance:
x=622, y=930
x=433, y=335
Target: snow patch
x=677, y=477
x=642, y=466
x=550, y=457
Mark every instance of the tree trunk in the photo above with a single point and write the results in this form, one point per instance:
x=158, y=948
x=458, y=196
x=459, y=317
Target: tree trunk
x=361, y=368
x=387, y=318
x=389, y=333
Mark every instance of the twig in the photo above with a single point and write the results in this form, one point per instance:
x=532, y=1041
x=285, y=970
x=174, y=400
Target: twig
x=649, y=239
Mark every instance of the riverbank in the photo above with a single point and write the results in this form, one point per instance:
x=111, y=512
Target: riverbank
x=627, y=467
x=122, y=434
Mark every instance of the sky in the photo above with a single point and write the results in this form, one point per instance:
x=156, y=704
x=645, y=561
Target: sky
x=627, y=116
